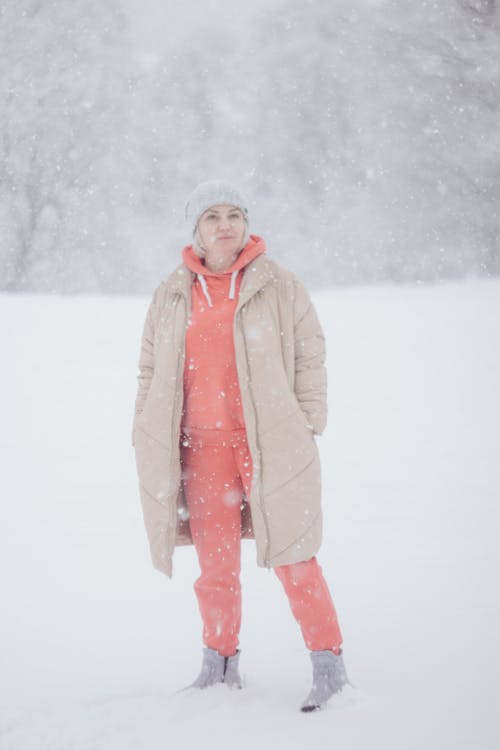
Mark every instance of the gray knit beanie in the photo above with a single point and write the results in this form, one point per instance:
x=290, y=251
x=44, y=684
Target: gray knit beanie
x=213, y=193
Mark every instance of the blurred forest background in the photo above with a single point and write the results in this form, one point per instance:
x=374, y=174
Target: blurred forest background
x=366, y=134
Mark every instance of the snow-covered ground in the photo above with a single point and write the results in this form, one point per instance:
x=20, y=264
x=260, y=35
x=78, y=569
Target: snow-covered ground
x=95, y=644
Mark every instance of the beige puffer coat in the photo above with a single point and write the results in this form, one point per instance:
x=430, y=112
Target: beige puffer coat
x=280, y=356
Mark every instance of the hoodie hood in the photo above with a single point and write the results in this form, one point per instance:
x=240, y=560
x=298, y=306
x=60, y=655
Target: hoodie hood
x=254, y=247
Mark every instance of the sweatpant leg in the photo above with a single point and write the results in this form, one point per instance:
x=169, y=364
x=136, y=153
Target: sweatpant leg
x=311, y=604
x=214, y=492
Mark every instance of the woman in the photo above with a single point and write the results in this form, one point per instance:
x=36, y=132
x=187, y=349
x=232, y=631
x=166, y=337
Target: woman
x=232, y=390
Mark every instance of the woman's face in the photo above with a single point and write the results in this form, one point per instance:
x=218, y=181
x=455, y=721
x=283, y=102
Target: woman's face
x=221, y=230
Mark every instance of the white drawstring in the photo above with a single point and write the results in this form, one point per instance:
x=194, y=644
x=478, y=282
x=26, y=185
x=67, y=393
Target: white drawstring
x=232, y=286
x=203, y=283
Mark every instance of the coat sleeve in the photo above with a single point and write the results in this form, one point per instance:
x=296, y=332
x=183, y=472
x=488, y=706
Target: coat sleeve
x=310, y=355
x=146, y=362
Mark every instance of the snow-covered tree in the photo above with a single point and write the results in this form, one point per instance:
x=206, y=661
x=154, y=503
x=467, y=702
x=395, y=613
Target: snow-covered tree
x=366, y=131
x=386, y=115
x=61, y=140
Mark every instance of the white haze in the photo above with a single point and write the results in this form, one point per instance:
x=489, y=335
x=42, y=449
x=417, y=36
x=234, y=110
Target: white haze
x=365, y=133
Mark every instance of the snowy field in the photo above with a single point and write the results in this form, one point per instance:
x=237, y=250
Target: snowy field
x=95, y=644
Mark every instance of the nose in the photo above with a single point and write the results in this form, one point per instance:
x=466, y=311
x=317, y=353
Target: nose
x=224, y=223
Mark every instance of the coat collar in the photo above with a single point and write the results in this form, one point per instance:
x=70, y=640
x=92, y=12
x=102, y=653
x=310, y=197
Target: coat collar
x=258, y=273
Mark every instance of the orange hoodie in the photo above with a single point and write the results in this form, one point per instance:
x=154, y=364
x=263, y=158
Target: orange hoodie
x=212, y=400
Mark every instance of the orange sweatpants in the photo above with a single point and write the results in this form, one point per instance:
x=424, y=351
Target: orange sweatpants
x=215, y=478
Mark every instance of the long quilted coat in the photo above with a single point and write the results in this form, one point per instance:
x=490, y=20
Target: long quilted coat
x=280, y=360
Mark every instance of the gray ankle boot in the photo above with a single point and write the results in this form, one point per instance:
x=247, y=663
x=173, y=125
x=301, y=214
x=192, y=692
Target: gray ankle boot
x=217, y=668
x=232, y=675
x=329, y=677
x=212, y=669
